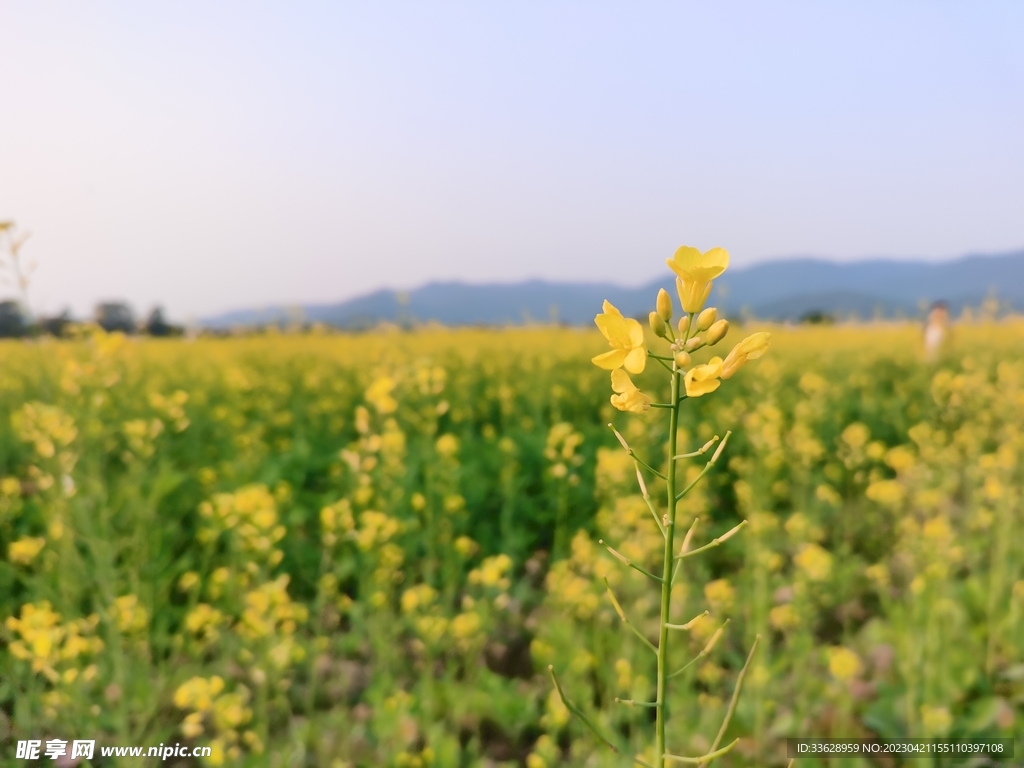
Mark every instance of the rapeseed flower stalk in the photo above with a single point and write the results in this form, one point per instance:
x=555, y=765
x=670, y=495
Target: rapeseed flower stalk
x=695, y=272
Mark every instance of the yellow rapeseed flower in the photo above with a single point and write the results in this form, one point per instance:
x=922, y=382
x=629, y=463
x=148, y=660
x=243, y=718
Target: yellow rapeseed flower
x=129, y=615
x=626, y=337
x=702, y=379
x=720, y=595
x=750, y=348
x=695, y=272
x=24, y=551
x=814, y=561
x=936, y=720
x=378, y=394
x=783, y=617
x=628, y=397
x=843, y=663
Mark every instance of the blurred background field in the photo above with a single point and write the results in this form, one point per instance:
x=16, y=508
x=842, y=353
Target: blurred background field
x=364, y=550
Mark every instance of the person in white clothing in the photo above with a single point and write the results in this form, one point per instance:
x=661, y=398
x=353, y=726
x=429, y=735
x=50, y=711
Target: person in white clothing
x=936, y=330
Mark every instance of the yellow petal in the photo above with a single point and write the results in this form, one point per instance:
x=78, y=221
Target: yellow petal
x=621, y=381
x=685, y=257
x=635, y=332
x=716, y=258
x=614, y=328
x=610, y=309
x=636, y=360
x=610, y=360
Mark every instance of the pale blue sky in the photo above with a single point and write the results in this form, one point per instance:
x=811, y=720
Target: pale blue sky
x=219, y=155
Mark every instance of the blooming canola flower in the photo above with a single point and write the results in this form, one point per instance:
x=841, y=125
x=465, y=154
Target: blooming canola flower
x=628, y=397
x=702, y=379
x=626, y=337
x=695, y=272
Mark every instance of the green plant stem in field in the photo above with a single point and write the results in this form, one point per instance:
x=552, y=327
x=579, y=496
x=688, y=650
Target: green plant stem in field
x=666, y=578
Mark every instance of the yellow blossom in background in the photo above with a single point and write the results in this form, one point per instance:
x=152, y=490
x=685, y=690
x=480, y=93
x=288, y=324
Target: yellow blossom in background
x=703, y=379
x=843, y=664
x=900, y=458
x=24, y=551
x=465, y=627
x=814, y=562
x=556, y=714
x=627, y=397
x=856, y=435
x=203, y=621
x=783, y=617
x=420, y=596
x=230, y=712
x=447, y=446
x=47, y=427
x=695, y=272
x=626, y=337
x=936, y=721
x=375, y=528
x=492, y=572
x=129, y=616
x=888, y=493
x=378, y=394
x=878, y=574
x=720, y=595
x=466, y=547
x=188, y=581
x=43, y=639
x=198, y=692
x=250, y=515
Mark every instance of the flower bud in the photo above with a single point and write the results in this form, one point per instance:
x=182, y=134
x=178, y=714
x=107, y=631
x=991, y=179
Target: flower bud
x=706, y=318
x=683, y=359
x=657, y=324
x=683, y=325
x=717, y=331
x=694, y=343
x=664, y=305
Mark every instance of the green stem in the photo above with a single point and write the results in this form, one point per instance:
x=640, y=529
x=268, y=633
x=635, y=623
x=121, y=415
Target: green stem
x=732, y=704
x=586, y=720
x=666, y=579
x=645, y=465
x=626, y=561
x=708, y=466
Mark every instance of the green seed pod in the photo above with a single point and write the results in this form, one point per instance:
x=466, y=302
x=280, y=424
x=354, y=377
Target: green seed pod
x=664, y=305
x=717, y=331
x=706, y=318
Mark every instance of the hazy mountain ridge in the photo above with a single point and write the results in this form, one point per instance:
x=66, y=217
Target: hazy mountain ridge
x=776, y=290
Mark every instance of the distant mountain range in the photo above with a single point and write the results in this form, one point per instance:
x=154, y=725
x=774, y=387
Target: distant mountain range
x=786, y=289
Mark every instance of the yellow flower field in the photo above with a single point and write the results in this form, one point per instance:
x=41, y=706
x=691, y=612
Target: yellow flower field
x=365, y=550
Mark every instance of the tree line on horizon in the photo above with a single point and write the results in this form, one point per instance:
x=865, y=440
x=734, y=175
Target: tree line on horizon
x=111, y=316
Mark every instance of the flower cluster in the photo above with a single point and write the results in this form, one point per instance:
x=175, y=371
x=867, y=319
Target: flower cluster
x=47, y=643
x=250, y=515
x=701, y=328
